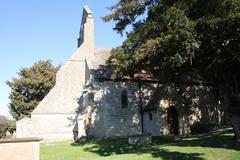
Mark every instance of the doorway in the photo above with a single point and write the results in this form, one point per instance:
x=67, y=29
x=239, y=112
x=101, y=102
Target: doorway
x=173, y=122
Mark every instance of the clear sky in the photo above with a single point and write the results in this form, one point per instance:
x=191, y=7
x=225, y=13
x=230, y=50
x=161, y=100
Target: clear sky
x=32, y=30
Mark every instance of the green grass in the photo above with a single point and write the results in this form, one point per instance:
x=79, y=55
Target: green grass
x=212, y=146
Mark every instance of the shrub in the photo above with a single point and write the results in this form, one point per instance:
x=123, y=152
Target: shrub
x=7, y=127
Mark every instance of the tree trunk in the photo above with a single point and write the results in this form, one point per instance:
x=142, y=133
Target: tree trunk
x=235, y=121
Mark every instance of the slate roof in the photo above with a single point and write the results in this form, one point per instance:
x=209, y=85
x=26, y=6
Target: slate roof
x=100, y=69
x=103, y=71
x=101, y=56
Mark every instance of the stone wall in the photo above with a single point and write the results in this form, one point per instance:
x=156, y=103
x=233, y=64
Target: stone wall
x=100, y=113
x=202, y=107
x=48, y=126
x=19, y=149
x=108, y=117
x=152, y=123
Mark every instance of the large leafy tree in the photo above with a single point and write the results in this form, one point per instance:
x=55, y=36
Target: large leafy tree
x=164, y=41
x=30, y=87
x=179, y=37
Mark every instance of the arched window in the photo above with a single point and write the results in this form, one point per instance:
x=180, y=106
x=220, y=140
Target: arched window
x=124, y=99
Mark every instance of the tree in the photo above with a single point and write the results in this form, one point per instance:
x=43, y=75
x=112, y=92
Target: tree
x=179, y=37
x=11, y=126
x=30, y=88
x=3, y=123
x=174, y=34
x=7, y=128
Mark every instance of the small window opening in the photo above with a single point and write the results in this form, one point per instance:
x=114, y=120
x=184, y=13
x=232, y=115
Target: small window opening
x=150, y=117
x=124, y=99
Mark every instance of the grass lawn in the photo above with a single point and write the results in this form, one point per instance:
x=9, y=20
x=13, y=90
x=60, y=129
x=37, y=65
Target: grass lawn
x=213, y=146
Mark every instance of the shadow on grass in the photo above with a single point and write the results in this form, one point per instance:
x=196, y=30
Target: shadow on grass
x=212, y=140
x=121, y=146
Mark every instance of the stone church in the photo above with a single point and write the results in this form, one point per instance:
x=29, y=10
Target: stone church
x=85, y=101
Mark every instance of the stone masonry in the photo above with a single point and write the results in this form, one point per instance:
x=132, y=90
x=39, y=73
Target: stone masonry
x=84, y=105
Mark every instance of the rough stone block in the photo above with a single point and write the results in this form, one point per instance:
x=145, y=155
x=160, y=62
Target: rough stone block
x=140, y=139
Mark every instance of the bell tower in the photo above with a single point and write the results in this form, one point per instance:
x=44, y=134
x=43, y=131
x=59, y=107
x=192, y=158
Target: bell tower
x=86, y=34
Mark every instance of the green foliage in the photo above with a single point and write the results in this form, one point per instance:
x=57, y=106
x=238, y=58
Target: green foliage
x=2, y=131
x=126, y=11
x=164, y=41
x=30, y=88
x=178, y=37
x=9, y=126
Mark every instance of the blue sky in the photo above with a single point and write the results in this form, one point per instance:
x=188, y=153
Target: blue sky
x=32, y=30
